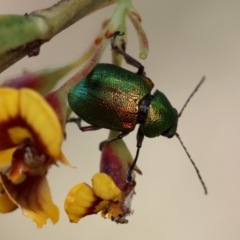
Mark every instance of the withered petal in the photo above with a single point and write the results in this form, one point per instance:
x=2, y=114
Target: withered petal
x=6, y=204
x=62, y=158
x=33, y=197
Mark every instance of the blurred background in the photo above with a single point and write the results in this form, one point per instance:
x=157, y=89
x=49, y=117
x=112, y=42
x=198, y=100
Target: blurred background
x=188, y=39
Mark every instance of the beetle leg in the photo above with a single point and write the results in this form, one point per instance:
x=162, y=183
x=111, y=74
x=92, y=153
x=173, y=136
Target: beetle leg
x=130, y=60
x=83, y=129
x=140, y=137
x=120, y=136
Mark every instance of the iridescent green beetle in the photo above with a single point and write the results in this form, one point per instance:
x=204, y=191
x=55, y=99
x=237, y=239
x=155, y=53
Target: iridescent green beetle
x=114, y=98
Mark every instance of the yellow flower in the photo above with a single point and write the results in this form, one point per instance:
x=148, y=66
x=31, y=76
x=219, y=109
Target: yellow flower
x=30, y=142
x=104, y=195
x=110, y=193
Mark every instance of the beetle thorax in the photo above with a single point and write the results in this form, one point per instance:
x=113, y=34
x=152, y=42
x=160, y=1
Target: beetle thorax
x=161, y=117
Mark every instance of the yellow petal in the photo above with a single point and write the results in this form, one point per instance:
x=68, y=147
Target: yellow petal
x=8, y=104
x=80, y=202
x=6, y=158
x=18, y=134
x=34, y=197
x=24, y=114
x=6, y=205
x=42, y=119
x=8, y=110
x=104, y=187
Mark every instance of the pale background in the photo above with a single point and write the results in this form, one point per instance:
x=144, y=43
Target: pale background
x=188, y=39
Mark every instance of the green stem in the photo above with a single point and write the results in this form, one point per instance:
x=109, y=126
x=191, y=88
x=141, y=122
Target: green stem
x=58, y=17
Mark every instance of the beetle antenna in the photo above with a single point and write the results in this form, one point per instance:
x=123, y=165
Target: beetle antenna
x=189, y=98
x=193, y=163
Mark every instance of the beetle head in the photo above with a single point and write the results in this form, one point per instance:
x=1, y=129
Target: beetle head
x=171, y=131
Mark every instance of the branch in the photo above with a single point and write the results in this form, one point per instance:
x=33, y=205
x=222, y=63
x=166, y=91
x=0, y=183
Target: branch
x=40, y=26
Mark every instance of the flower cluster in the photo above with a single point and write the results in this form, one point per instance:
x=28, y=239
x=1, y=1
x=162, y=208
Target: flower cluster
x=30, y=142
x=32, y=129
x=110, y=193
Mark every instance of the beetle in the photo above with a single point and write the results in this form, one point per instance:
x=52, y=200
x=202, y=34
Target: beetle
x=114, y=98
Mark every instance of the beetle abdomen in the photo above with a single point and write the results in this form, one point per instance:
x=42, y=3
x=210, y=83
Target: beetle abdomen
x=109, y=97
